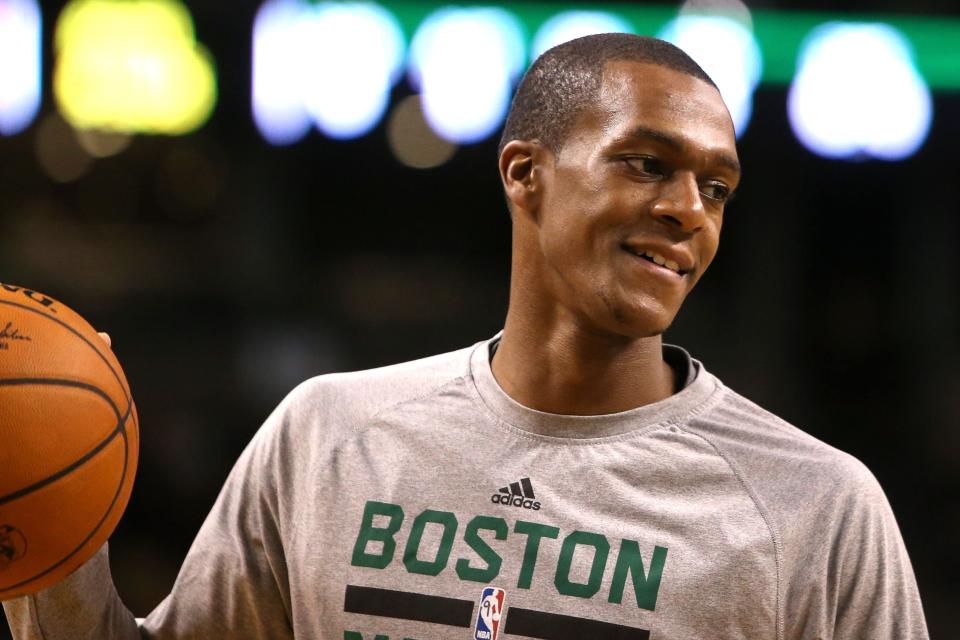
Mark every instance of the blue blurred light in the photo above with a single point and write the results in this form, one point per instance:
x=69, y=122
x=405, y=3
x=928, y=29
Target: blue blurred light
x=728, y=52
x=569, y=25
x=330, y=63
x=356, y=52
x=278, y=70
x=464, y=62
x=19, y=64
x=857, y=93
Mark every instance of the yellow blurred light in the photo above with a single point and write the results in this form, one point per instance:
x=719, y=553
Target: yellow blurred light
x=132, y=66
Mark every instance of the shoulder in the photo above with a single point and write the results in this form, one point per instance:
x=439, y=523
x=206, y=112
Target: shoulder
x=343, y=401
x=841, y=562
x=755, y=435
x=791, y=474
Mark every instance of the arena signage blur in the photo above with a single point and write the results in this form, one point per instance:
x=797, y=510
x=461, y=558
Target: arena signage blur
x=859, y=86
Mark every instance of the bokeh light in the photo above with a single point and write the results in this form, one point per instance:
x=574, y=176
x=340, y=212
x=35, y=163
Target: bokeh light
x=464, y=62
x=278, y=108
x=132, y=67
x=355, y=53
x=19, y=64
x=568, y=25
x=332, y=64
x=728, y=52
x=857, y=93
x=103, y=144
x=412, y=140
x=58, y=151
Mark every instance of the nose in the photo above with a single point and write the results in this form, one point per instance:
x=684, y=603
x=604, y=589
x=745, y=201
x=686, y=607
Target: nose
x=679, y=202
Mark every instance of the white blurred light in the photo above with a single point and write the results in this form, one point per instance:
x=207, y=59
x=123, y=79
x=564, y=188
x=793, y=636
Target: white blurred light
x=330, y=63
x=569, y=25
x=729, y=54
x=355, y=51
x=464, y=62
x=857, y=93
x=278, y=64
x=735, y=10
x=19, y=64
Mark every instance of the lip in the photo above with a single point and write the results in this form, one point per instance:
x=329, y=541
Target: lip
x=682, y=258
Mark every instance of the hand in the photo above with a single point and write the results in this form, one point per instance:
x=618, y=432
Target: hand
x=105, y=337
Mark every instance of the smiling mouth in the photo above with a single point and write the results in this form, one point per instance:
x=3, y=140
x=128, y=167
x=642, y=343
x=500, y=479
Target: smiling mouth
x=656, y=259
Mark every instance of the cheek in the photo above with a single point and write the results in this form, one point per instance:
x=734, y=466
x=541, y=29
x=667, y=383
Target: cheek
x=709, y=246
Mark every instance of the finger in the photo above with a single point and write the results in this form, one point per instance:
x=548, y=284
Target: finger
x=106, y=337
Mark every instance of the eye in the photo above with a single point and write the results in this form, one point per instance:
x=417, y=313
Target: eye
x=646, y=165
x=716, y=191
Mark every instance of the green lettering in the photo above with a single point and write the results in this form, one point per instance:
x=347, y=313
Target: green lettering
x=432, y=567
x=534, y=533
x=356, y=635
x=368, y=533
x=601, y=550
x=645, y=586
x=478, y=544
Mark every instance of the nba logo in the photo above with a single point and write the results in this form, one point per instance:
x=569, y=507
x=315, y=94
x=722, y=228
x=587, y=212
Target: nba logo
x=488, y=618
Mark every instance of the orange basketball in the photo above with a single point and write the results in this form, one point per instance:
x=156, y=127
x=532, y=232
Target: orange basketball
x=68, y=441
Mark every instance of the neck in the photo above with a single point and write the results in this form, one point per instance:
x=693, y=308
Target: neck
x=561, y=367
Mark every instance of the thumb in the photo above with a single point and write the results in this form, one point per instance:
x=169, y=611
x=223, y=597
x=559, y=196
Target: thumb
x=106, y=337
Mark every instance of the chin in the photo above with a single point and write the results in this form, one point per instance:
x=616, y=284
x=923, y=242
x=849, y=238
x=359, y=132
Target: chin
x=643, y=321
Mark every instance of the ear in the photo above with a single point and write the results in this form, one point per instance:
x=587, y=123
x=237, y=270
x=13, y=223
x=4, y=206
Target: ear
x=522, y=171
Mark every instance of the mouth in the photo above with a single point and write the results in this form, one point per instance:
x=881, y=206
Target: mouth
x=656, y=261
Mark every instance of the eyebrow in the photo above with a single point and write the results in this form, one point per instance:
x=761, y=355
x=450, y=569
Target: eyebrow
x=677, y=144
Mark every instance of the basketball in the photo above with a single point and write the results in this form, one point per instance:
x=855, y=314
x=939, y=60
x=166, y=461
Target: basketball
x=68, y=441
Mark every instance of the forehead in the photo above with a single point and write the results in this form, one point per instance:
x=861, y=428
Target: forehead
x=636, y=95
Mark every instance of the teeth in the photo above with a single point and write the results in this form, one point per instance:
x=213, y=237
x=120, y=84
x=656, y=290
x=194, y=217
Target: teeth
x=663, y=262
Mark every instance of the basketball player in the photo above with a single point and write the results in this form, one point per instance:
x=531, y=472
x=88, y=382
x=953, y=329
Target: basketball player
x=573, y=472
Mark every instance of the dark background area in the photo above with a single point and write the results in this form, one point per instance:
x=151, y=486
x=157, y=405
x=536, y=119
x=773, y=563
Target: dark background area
x=833, y=301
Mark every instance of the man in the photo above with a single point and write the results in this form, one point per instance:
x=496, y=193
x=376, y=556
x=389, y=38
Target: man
x=573, y=477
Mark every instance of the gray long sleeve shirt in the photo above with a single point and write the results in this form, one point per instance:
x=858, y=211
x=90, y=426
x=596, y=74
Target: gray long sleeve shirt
x=420, y=501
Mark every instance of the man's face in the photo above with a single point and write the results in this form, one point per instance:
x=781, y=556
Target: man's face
x=641, y=178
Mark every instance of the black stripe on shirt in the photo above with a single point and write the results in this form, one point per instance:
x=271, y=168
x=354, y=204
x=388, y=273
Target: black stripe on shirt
x=407, y=606
x=553, y=626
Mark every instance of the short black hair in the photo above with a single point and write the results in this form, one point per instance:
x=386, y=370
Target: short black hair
x=566, y=78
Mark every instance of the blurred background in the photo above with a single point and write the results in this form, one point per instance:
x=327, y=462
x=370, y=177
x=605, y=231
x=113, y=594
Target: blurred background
x=246, y=195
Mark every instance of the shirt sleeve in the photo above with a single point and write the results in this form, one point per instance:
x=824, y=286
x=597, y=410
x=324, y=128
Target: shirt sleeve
x=233, y=583
x=848, y=574
x=876, y=591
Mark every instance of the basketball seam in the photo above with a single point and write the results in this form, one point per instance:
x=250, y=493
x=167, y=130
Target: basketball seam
x=83, y=459
x=113, y=501
x=123, y=387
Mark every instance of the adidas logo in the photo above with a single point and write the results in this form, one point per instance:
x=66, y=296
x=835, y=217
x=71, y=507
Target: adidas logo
x=517, y=494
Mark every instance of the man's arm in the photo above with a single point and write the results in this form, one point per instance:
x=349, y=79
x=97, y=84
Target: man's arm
x=83, y=606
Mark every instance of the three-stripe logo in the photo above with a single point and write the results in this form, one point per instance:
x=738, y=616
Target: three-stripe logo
x=517, y=494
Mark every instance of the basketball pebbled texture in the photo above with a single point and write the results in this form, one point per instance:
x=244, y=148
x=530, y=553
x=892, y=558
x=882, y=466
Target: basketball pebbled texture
x=69, y=440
